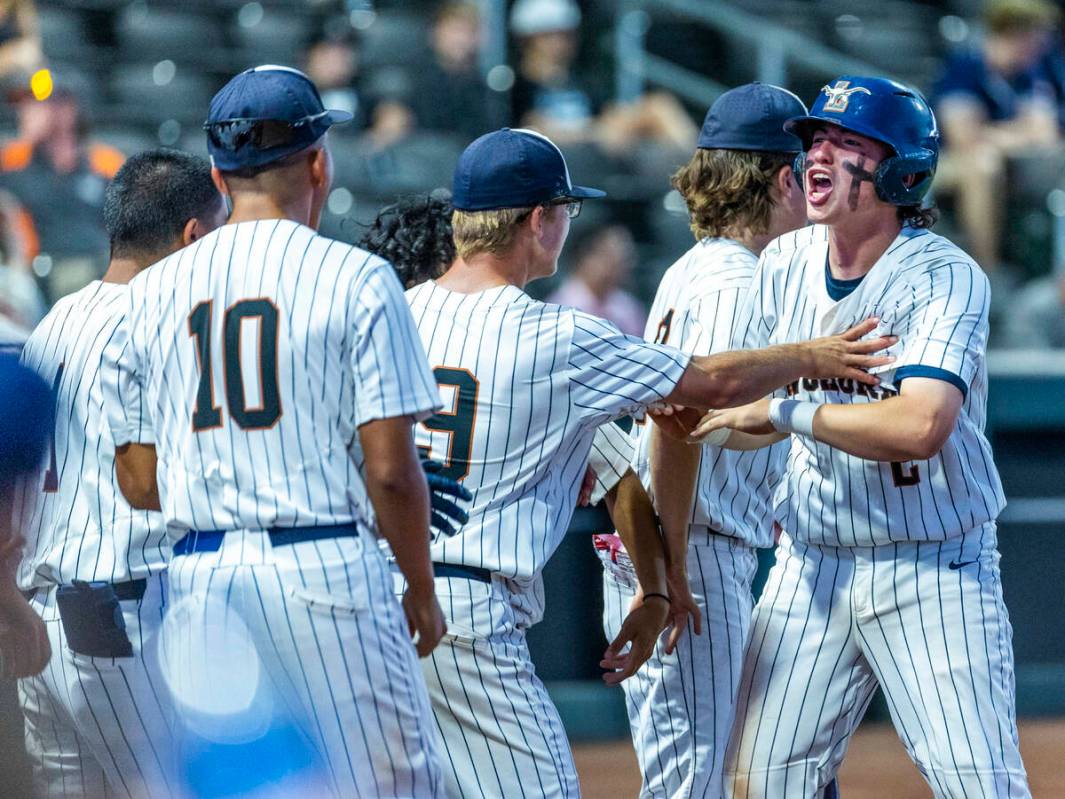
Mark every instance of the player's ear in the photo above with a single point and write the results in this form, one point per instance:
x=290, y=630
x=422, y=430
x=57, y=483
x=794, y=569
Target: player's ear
x=219, y=181
x=191, y=232
x=784, y=183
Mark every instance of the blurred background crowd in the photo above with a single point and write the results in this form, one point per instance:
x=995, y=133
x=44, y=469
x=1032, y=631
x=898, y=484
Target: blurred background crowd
x=620, y=84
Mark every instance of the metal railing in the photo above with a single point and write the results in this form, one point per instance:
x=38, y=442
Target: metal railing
x=775, y=49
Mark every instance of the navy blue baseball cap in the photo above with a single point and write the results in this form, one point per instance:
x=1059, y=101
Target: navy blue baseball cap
x=264, y=114
x=513, y=168
x=752, y=117
x=27, y=419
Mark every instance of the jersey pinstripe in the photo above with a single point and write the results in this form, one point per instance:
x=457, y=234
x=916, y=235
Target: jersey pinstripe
x=610, y=457
x=525, y=384
x=257, y=352
x=935, y=298
x=695, y=309
x=79, y=527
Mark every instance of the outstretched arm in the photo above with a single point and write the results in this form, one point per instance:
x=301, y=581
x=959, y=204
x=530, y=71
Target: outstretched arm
x=734, y=378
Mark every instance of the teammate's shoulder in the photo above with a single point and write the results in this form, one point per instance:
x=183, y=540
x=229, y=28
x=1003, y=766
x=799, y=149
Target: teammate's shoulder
x=720, y=257
x=787, y=246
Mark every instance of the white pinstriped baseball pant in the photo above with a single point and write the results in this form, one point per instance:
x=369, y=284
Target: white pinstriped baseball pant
x=681, y=706
x=100, y=727
x=923, y=620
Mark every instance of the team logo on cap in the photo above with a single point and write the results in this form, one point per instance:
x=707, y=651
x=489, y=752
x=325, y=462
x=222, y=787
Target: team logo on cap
x=839, y=96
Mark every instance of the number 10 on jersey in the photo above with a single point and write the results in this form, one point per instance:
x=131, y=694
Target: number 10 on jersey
x=206, y=414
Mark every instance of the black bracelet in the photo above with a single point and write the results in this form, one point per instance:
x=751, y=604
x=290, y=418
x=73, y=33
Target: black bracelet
x=655, y=593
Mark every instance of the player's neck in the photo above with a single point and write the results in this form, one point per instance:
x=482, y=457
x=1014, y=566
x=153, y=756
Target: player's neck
x=854, y=249
x=482, y=272
x=123, y=270
x=252, y=207
x=752, y=242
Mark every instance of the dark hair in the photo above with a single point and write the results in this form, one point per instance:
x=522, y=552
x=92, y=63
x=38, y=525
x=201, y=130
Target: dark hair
x=918, y=215
x=415, y=236
x=153, y=196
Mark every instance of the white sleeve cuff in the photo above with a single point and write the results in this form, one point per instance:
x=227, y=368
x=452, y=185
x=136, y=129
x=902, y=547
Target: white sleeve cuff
x=793, y=416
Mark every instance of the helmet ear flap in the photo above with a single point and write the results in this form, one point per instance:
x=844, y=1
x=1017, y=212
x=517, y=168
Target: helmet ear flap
x=890, y=178
x=798, y=169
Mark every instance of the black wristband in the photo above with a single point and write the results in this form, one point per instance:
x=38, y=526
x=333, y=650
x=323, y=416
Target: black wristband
x=655, y=593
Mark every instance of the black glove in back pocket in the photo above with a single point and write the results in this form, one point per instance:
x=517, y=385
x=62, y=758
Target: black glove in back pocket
x=92, y=620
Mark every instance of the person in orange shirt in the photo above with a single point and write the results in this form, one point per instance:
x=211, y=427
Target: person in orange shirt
x=58, y=175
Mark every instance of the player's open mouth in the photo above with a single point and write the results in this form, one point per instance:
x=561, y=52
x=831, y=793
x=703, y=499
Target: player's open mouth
x=818, y=186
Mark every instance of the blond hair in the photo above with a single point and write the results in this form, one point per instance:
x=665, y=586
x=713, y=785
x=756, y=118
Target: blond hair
x=728, y=191
x=485, y=231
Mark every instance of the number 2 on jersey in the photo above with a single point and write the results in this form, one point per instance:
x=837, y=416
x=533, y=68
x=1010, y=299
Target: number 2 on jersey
x=206, y=414
x=457, y=422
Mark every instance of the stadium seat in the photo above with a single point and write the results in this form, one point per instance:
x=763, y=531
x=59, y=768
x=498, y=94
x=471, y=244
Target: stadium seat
x=63, y=34
x=169, y=33
x=272, y=37
x=141, y=99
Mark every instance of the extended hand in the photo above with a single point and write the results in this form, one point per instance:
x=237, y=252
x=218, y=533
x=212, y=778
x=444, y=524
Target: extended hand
x=587, y=487
x=443, y=511
x=676, y=421
x=847, y=357
x=753, y=419
x=425, y=619
x=639, y=632
x=682, y=606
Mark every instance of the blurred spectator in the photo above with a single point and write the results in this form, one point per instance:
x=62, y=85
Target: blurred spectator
x=20, y=43
x=450, y=94
x=992, y=103
x=332, y=62
x=1037, y=316
x=549, y=95
x=59, y=177
x=21, y=303
x=604, y=258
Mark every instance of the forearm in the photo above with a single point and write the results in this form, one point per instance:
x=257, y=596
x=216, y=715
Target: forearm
x=744, y=442
x=674, y=470
x=878, y=431
x=728, y=379
x=633, y=515
x=401, y=503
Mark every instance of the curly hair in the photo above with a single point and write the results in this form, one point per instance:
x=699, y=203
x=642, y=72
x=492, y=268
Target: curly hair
x=415, y=236
x=918, y=215
x=728, y=191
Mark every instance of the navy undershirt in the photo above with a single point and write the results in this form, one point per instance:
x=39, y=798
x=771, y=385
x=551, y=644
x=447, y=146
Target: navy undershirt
x=838, y=289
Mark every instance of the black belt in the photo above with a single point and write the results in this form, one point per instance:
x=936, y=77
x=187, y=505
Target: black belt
x=124, y=592
x=466, y=572
x=211, y=540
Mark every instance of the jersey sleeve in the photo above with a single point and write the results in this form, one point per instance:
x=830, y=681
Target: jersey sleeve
x=947, y=334
x=614, y=375
x=122, y=377
x=390, y=371
x=610, y=456
x=707, y=327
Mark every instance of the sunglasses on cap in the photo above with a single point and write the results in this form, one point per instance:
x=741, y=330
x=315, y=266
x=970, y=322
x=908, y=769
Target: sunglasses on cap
x=262, y=134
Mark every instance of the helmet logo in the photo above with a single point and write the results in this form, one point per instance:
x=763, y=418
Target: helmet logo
x=839, y=96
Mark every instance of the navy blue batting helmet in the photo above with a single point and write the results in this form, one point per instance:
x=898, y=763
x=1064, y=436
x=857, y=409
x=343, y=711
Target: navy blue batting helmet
x=889, y=112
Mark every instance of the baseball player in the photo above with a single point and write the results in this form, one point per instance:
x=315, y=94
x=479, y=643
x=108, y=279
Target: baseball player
x=25, y=428
x=741, y=193
x=281, y=373
x=887, y=571
x=415, y=235
x=97, y=721
x=524, y=385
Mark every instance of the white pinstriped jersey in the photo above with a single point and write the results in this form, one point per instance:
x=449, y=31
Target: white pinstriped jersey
x=935, y=298
x=257, y=352
x=525, y=384
x=610, y=457
x=694, y=309
x=77, y=524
